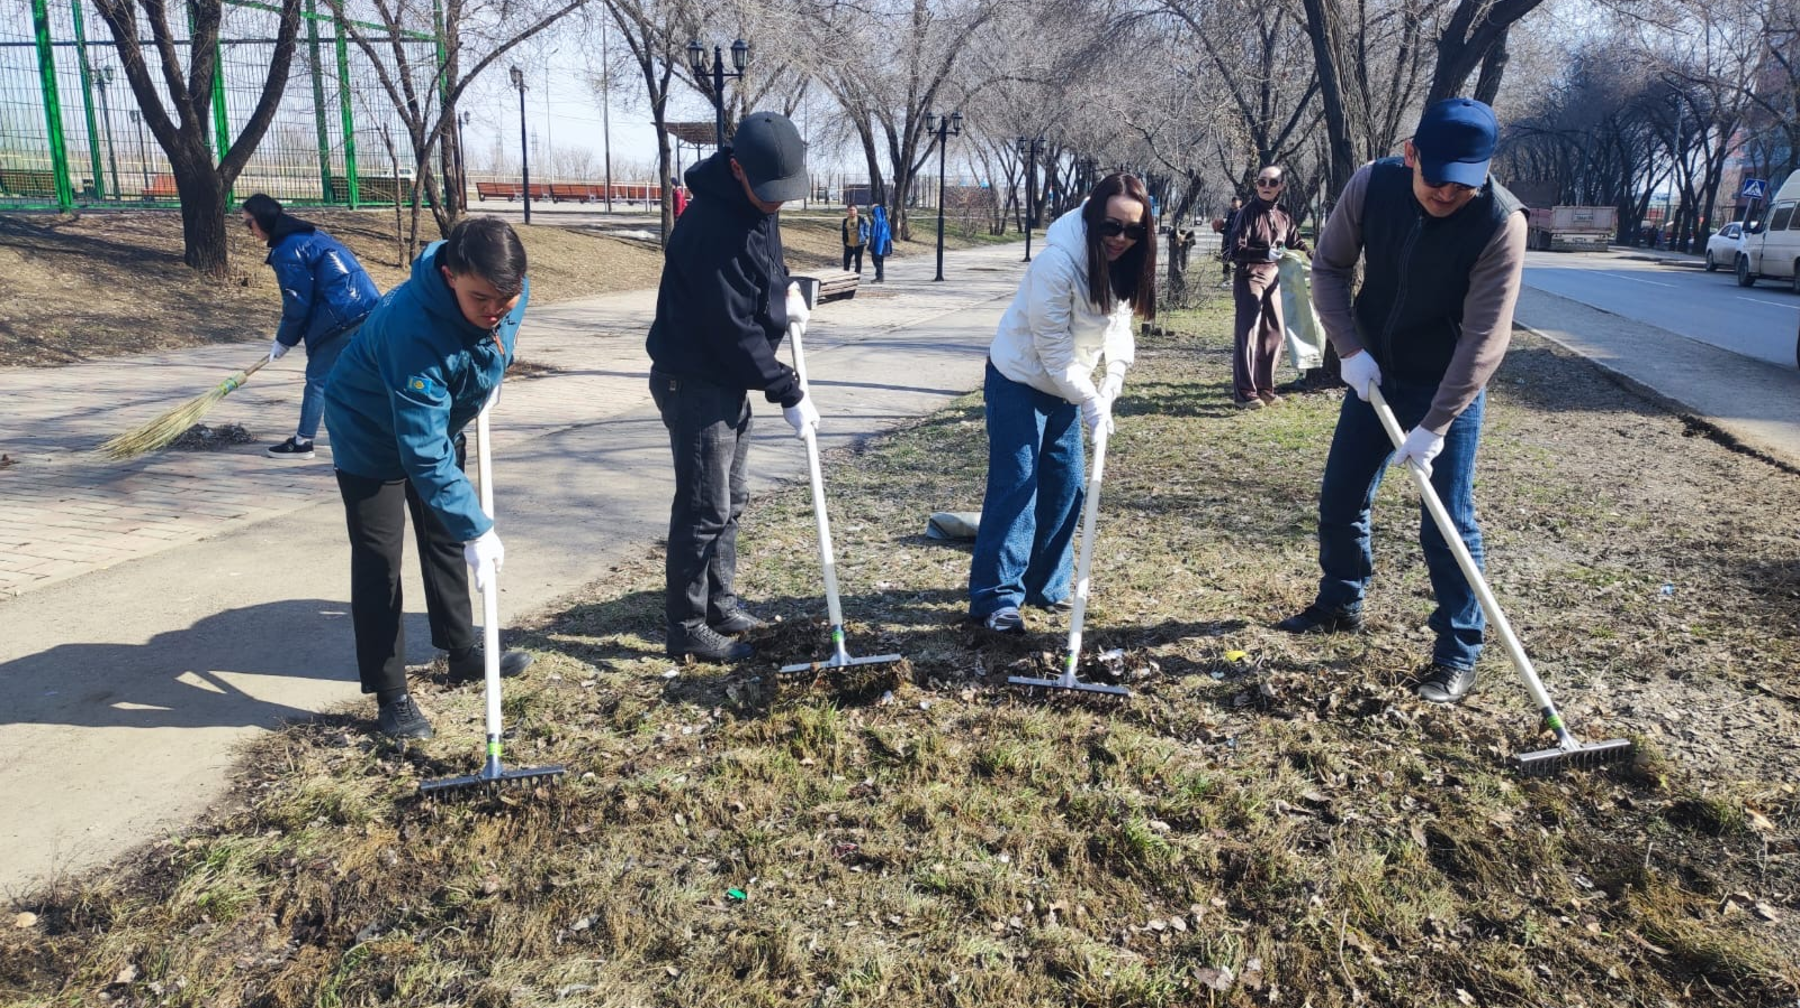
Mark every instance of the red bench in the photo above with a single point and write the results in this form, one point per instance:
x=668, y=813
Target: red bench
x=498, y=190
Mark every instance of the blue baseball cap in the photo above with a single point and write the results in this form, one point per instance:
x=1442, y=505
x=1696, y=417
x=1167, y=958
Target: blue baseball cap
x=1455, y=141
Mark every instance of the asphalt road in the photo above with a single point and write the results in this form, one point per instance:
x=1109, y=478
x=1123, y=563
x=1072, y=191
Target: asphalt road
x=1757, y=322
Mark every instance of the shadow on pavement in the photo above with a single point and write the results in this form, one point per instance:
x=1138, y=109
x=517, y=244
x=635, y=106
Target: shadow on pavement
x=230, y=669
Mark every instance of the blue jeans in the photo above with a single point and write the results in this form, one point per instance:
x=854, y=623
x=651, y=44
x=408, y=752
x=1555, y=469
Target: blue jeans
x=709, y=438
x=1036, y=468
x=319, y=360
x=1360, y=451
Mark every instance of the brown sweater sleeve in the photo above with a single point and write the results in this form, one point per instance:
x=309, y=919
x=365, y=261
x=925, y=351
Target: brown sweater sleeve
x=1334, y=263
x=1487, y=324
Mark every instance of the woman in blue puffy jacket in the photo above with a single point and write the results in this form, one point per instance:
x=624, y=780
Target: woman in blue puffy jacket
x=424, y=363
x=325, y=293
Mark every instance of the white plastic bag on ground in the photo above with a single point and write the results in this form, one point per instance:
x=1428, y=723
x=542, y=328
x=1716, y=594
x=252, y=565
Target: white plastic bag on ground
x=1305, y=334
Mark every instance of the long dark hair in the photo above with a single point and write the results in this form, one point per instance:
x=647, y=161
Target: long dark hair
x=1131, y=277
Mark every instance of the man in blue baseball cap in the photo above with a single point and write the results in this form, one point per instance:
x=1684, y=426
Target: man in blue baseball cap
x=1443, y=250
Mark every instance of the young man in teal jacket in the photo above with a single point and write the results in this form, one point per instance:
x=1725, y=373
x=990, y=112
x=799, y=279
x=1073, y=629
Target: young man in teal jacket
x=425, y=362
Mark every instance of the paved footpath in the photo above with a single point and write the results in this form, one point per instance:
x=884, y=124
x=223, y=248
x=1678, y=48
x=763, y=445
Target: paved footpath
x=163, y=609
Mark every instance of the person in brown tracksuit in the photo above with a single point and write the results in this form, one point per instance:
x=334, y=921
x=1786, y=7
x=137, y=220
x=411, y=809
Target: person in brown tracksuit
x=1258, y=233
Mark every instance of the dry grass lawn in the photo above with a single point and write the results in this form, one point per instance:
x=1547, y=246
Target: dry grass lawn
x=1268, y=821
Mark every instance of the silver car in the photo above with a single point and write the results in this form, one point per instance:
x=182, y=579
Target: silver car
x=1722, y=247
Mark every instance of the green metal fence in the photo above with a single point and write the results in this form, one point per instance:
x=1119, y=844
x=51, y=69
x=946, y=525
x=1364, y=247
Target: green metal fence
x=71, y=135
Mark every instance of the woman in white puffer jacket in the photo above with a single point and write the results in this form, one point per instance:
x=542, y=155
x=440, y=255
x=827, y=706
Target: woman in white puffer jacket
x=1074, y=307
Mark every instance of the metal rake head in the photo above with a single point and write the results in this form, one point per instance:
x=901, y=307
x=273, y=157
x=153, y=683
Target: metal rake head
x=489, y=779
x=1545, y=762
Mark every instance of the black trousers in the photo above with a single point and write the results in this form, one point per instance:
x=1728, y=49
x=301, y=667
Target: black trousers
x=375, y=511
x=709, y=438
x=853, y=254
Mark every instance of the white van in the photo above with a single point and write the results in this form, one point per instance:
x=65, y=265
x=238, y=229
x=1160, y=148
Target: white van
x=1771, y=249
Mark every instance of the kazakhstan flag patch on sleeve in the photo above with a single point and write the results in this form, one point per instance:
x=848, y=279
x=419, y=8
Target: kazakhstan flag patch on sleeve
x=424, y=387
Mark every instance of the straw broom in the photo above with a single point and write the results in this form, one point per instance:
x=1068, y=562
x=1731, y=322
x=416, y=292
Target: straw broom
x=159, y=432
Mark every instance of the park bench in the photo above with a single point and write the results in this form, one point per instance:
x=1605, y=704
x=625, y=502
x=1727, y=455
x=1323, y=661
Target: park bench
x=577, y=192
x=38, y=182
x=498, y=190
x=835, y=284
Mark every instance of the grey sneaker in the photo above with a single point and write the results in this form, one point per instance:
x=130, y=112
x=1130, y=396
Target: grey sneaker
x=401, y=718
x=706, y=644
x=1006, y=621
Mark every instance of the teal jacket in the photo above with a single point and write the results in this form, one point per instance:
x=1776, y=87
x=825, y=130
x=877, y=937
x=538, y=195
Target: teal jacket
x=413, y=378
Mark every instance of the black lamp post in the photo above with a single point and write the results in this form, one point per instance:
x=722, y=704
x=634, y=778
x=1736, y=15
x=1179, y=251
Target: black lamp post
x=944, y=127
x=462, y=161
x=697, y=61
x=518, y=79
x=103, y=78
x=1030, y=148
x=137, y=119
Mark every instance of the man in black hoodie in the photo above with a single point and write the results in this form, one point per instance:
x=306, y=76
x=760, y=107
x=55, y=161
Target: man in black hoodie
x=721, y=310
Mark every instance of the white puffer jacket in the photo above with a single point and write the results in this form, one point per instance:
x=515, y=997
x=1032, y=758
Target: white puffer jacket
x=1052, y=336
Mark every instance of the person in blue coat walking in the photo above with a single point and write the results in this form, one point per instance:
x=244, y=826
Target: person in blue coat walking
x=881, y=240
x=325, y=294
x=425, y=362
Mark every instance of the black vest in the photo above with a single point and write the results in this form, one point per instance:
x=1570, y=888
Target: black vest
x=1416, y=269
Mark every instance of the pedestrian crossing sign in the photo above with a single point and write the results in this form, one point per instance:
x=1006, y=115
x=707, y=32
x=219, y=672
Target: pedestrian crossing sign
x=1754, y=188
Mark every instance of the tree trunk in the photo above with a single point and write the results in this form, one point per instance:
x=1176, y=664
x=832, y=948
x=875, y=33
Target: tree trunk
x=1341, y=120
x=202, y=219
x=1493, y=66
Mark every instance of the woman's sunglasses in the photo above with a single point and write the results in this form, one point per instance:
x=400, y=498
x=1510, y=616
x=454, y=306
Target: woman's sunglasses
x=1267, y=183
x=1113, y=229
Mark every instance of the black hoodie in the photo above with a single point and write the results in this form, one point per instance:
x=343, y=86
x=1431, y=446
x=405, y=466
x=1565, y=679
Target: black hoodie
x=721, y=309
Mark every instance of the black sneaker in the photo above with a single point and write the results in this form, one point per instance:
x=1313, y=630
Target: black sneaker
x=401, y=718
x=706, y=644
x=293, y=450
x=1313, y=619
x=471, y=664
x=1445, y=684
x=737, y=621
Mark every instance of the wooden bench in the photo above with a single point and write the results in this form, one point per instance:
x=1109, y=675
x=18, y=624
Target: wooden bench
x=38, y=182
x=835, y=285
x=498, y=190
x=578, y=192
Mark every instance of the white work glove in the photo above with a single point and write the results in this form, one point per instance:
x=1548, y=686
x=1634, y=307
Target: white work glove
x=485, y=556
x=796, y=306
x=276, y=349
x=1096, y=415
x=803, y=415
x=1360, y=371
x=1112, y=386
x=1420, y=446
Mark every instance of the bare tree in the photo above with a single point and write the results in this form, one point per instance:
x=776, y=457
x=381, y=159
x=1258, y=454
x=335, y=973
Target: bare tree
x=187, y=138
x=423, y=90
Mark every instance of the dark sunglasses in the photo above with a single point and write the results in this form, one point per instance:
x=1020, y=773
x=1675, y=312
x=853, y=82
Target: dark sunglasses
x=1113, y=229
x=1267, y=183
